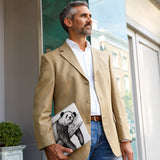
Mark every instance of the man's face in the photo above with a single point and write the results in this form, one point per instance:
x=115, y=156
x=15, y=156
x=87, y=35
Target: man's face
x=82, y=23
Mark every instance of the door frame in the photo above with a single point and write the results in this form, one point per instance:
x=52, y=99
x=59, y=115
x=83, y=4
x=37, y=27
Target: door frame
x=137, y=33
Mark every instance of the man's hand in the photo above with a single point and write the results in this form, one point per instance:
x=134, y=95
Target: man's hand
x=55, y=152
x=126, y=150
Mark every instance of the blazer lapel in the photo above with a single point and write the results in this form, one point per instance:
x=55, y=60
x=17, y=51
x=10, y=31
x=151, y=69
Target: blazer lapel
x=66, y=52
x=96, y=62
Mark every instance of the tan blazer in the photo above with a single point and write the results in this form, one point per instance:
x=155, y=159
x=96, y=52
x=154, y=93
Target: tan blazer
x=63, y=80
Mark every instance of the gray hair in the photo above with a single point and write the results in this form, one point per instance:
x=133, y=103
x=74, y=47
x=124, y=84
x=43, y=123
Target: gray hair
x=69, y=12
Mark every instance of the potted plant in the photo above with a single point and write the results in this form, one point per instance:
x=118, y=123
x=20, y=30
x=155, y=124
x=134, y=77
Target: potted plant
x=10, y=137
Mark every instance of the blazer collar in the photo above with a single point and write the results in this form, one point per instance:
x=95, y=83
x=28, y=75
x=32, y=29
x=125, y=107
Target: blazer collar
x=66, y=52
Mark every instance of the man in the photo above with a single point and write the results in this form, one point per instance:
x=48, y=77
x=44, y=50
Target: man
x=76, y=72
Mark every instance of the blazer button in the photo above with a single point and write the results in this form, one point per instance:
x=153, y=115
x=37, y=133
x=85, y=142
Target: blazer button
x=88, y=121
x=86, y=82
x=88, y=101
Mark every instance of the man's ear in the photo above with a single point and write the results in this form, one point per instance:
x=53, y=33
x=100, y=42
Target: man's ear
x=68, y=22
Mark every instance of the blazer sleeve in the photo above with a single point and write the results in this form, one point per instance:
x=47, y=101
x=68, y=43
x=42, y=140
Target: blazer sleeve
x=118, y=109
x=42, y=107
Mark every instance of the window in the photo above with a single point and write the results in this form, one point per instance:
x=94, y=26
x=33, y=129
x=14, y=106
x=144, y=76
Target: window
x=115, y=60
x=125, y=66
x=118, y=82
x=126, y=83
x=102, y=46
x=115, y=40
x=146, y=78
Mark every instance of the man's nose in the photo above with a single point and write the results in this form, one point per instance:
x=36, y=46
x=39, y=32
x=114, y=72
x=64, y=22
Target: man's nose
x=89, y=19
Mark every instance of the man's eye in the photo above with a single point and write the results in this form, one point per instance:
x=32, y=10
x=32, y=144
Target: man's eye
x=83, y=15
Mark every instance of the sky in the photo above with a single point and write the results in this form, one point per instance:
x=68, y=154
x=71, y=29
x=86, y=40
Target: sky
x=110, y=15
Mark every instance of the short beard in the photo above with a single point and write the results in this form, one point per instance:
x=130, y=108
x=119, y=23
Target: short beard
x=86, y=31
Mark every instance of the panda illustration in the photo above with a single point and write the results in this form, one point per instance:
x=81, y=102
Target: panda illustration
x=62, y=129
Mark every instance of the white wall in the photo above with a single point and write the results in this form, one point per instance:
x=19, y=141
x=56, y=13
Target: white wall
x=144, y=13
x=21, y=68
x=2, y=61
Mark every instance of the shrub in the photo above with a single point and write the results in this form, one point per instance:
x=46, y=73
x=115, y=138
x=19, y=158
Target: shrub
x=10, y=134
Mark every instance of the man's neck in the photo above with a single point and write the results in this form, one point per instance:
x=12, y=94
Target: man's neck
x=80, y=41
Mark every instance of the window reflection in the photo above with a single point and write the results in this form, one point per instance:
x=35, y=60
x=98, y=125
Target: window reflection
x=125, y=62
x=115, y=60
x=110, y=35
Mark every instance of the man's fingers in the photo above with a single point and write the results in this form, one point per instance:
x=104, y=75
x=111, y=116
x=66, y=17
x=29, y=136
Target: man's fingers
x=130, y=156
x=123, y=155
x=62, y=150
x=55, y=152
x=127, y=151
x=68, y=150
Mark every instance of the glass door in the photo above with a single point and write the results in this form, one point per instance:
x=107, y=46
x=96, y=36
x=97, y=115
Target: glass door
x=110, y=35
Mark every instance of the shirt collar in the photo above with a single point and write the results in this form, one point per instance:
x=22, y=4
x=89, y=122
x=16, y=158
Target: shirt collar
x=73, y=44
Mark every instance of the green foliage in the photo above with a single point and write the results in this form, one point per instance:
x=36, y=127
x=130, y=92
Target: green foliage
x=10, y=134
x=127, y=99
x=128, y=104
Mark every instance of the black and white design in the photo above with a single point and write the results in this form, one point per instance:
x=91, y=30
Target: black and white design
x=69, y=129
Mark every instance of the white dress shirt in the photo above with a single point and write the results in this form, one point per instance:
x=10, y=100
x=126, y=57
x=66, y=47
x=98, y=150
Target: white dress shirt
x=85, y=60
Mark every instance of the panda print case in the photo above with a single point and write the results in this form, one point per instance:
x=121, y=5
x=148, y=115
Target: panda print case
x=69, y=129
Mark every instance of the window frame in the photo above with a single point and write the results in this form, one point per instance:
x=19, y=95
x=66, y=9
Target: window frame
x=132, y=29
